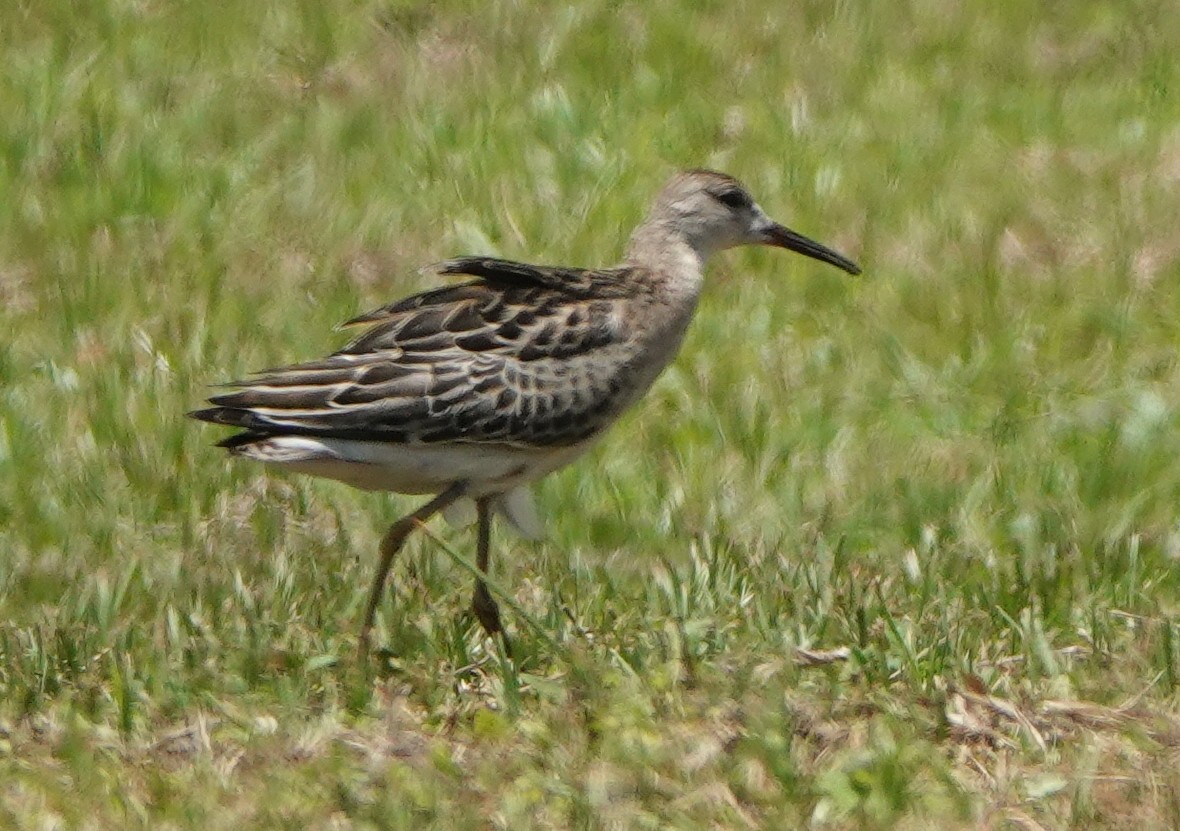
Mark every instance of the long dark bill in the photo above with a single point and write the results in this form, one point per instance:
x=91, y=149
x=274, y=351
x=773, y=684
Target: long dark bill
x=786, y=238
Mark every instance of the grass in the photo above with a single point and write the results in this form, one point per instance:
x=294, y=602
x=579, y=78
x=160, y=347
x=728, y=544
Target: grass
x=896, y=552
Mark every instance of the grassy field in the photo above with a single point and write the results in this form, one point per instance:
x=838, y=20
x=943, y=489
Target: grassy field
x=900, y=551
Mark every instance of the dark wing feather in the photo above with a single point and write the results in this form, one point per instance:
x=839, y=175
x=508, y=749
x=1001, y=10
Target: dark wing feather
x=508, y=358
x=575, y=281
x=581, y=283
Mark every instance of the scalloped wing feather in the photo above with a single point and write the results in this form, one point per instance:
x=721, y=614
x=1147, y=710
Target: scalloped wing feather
x=508, y=360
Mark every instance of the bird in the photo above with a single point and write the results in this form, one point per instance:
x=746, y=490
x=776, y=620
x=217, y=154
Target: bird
x=472, y=392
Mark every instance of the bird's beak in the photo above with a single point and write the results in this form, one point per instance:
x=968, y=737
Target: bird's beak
x=783, y=237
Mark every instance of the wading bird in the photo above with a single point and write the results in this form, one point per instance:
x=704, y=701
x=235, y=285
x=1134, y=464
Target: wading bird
x=474, y=391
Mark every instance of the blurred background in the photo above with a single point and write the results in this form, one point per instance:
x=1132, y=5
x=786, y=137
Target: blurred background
x=961, y=468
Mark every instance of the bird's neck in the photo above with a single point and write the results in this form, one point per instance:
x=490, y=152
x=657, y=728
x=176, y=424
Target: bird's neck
x=669, y=257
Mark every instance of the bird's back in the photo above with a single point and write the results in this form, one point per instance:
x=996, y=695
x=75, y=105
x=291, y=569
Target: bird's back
x=523, y=355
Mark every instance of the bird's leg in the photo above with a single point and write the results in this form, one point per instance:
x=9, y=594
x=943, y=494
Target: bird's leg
x=392, y=542
x=482, y=603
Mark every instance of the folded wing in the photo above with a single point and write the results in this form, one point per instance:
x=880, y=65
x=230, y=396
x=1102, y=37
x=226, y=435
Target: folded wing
x=523, y=355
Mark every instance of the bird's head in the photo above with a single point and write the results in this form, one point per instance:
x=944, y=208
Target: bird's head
x=714, y=211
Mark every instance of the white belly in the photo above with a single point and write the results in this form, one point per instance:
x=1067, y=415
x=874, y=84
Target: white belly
x=412, y=468
x=502, y=472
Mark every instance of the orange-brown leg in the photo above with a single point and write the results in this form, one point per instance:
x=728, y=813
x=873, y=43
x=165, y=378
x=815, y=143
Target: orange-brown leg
x=486, y=610
x=392, y=542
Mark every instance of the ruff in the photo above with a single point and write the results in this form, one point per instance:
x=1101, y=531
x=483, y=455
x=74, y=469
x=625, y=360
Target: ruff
x=474, y=391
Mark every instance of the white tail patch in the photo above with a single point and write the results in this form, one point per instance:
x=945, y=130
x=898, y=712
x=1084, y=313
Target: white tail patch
x=460, y=513
x=517, y=506
x=283, y=450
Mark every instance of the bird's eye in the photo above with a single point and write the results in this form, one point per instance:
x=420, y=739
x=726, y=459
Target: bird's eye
x=735, y=199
